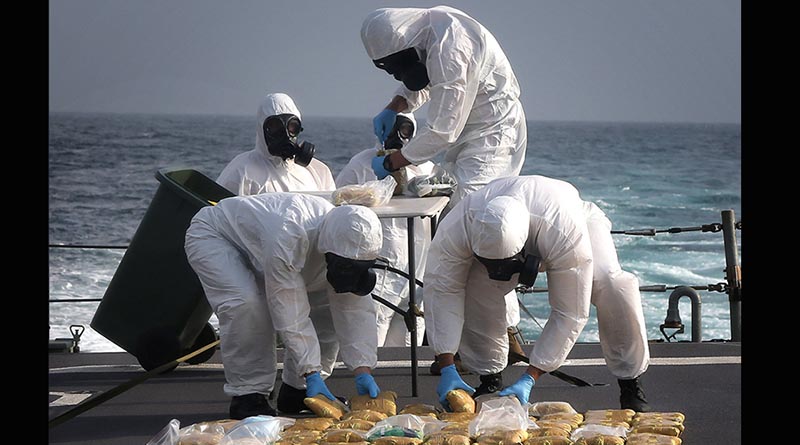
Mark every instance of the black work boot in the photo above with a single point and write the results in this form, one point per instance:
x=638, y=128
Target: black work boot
x=435, y=369
x=250, y=405
x=290, y=399
x=631, y=396
x=489, y=384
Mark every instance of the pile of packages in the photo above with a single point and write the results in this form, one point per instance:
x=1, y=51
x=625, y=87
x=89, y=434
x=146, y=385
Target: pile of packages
x=487, y=420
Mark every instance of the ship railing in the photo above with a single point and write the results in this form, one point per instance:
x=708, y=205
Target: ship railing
x=732, y=286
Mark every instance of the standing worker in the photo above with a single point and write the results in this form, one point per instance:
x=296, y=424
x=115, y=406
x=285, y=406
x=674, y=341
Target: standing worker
x=517, y=227
x=280, y=162
x=392, y=330
x=286, y=255
x=446, y=58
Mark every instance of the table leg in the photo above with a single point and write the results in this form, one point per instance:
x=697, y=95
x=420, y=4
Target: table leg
x=412, y=286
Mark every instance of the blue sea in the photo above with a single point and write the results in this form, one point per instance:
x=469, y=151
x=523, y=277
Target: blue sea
x=643, y=175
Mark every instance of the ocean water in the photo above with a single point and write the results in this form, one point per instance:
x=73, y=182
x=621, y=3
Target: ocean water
x=643, y=175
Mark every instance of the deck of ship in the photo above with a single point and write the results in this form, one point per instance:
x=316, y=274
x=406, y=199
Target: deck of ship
x=701, y=380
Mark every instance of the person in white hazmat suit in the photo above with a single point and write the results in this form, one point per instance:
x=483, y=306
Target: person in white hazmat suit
x=504, y=234
x=288, y=255
x=280, y=163
x=446, y=59
x=392, y=330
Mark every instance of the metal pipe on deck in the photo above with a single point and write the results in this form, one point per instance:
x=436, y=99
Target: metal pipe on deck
x=733, y=273
x=673, y=319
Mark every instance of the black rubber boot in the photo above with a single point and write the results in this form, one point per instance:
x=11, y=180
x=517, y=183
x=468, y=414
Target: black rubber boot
x=290, y=399
x=631, y=396
x=250, y=405
x=489, y=384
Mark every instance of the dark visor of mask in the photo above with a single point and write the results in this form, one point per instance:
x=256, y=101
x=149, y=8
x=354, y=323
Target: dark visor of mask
x=502, y=269
x=283, y=124
x=398, y=62
x=348, y=275
x=406, y=67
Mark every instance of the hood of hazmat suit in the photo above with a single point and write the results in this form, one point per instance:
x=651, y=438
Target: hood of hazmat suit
x=351, y=231
x=500, y=229
x=258, y=171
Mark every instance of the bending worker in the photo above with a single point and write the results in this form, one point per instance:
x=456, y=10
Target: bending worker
x=502, y=235
x=280, y=162
x=392, y=330
x=285, y=254
x=446, y=58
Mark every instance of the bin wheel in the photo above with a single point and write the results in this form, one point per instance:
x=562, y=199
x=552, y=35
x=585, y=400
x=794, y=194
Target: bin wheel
x=157, y=347
x=206, y=336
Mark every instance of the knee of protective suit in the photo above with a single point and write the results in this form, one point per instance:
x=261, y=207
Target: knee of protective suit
x=233, y=309
x=617, y=283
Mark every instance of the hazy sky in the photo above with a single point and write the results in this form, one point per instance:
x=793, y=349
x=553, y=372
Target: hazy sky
x=609, y=60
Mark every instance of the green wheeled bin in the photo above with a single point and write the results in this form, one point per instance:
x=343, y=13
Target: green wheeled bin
x=154, y=307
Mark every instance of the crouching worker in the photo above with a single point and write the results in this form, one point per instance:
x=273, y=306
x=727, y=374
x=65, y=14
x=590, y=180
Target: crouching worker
x=502, y=235
x=280, y=262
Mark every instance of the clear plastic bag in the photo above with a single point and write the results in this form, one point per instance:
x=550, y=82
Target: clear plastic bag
x=371, y=193
x=405, y=425
x=502, y=413
x=168, y=435
x=438, y=183
x=261, y=430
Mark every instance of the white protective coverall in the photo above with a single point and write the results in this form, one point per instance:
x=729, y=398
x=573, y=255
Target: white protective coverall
x=573, y=239
x=257, y=171
x=265, y=253
x=392, y=330
x=474, y=113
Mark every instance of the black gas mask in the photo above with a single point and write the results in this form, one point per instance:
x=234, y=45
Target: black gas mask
x=400, y=134
x=501, y=270
x=406, y=67
x=280, y=134
x=347, y=275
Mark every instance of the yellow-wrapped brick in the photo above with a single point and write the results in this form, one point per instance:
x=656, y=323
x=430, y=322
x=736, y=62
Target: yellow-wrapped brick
x=342, y=435
x=354, y=424
x=384, y=403
x=311, y=423
x=460, y=401
x=365, y=414
x=325, y=407
x=652, y=439
x=503, y=437
x=600, y=439
x=548, y=440
x=548, y=431
x=394, y=440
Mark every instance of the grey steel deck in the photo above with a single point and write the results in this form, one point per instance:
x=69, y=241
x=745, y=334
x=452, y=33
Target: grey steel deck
x=701, y=380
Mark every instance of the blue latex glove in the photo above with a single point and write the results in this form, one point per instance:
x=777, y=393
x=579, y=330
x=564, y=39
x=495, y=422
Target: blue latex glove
x=521, y=388
x=377, y=167
x=383, y=123
x=449, y=381
x=315, y=385
x=365, y=384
